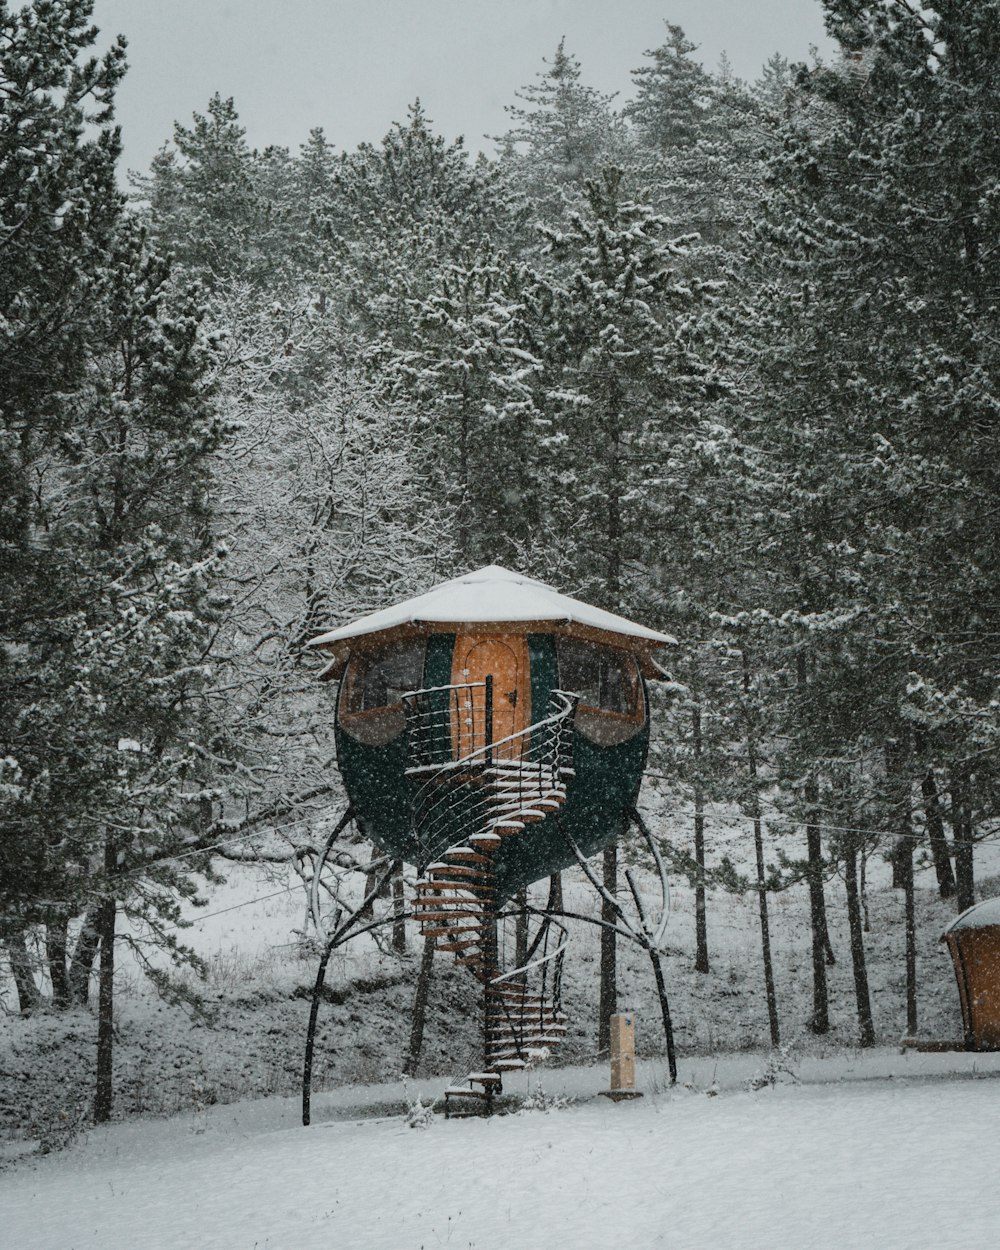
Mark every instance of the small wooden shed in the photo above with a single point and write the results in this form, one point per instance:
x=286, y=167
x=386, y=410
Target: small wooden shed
x=973, y=939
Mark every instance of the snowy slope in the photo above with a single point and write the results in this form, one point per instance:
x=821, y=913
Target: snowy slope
x=846, y=1162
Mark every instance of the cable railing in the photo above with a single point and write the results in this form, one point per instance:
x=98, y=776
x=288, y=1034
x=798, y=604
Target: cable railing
x=470, y=781
x=524, y=1005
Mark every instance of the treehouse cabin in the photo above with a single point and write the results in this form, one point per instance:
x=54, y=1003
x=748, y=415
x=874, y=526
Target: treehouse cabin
x=973, y=940
x=487, y=731
x=497, y=674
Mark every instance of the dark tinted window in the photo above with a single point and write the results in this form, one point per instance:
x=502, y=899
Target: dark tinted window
x=381, y=678
x=602, y=678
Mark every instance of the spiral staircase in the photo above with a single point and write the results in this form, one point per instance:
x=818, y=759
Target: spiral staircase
x=470, y=795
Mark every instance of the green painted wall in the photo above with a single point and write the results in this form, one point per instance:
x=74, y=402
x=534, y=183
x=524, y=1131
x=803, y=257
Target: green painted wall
x=598, y=798
x=375, y=776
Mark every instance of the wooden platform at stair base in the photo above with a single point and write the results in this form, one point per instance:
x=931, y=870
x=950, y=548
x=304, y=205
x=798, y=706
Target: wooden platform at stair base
x=478, y=1101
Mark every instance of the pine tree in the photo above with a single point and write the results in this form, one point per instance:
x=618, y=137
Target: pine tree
x=613, y=323
x=464, y=366
x=108, y=609
x=213, y=204
x=562, y=132
x=59, y=209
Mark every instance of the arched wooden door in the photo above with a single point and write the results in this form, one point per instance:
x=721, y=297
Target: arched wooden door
x=505, y=659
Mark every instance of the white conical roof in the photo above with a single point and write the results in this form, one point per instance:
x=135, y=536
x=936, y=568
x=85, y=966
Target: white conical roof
x=978, y=916
x=496, y=596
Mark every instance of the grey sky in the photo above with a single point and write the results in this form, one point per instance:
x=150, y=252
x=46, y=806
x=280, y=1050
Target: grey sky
x=353, y=66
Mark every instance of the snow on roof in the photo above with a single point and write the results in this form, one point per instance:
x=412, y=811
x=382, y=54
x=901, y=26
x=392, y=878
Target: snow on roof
x=496, y=595
x=976, y=917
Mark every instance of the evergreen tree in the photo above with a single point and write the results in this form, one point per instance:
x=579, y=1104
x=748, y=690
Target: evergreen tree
x=562, y=133
x=214, y=205
x=464, y=365
x=622, y=375
x=108, y=611
x=59, y=209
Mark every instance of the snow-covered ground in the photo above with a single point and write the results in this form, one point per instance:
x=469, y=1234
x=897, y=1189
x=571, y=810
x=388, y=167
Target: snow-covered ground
x=875, y=1150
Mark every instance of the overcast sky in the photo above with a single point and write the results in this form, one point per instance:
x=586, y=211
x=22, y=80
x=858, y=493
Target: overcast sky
x=353, y=66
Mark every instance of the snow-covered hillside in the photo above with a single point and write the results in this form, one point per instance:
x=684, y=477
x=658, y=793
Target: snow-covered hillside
x=851, y=1157
x=260, y=974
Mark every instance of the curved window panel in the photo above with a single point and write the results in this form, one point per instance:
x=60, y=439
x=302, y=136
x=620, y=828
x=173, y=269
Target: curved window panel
x=371, y=707
x=611, y=708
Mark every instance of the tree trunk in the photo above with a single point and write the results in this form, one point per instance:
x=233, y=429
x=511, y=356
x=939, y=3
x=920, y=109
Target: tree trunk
x=758, y=842
x=56, y=939
x=961, y=824
x=904, y=852
x=765, y=936
x=84, y=954
x=419, y=1015
x=866, y=1029
x=902, y=867
x=820, y=1020
x=555, y=903
x=371, y=880
x=398, y=909
x=105, y=1011
x=609, y=981
x=822, y=948
x=935, y=830
x=21, y=969
x=701, y=963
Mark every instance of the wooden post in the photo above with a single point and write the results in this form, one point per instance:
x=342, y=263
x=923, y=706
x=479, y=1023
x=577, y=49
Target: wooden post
x=622, y=1052
x=622, y=1037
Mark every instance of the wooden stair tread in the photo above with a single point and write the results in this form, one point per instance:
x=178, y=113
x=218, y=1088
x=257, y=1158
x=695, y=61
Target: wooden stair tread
x=456, y=902
x=444, y=915
x=452, y=930
x=457, y=870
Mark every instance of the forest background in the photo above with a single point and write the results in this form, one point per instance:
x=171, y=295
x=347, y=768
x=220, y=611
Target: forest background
x=722, y=357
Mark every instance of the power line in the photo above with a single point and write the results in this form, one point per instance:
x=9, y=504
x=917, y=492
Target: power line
x=246, y=903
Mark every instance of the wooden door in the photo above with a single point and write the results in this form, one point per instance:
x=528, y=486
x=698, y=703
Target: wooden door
x=505, y=659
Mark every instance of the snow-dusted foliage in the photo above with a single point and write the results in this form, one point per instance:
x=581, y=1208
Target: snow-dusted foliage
x=724, y=358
